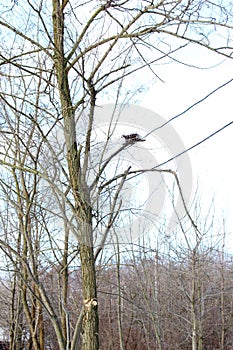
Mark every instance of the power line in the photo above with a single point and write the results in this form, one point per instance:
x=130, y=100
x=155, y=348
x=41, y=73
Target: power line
x=190, y=107
x=195, y=145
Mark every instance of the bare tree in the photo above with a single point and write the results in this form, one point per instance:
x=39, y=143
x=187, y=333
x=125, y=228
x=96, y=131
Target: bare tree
x=57, y=59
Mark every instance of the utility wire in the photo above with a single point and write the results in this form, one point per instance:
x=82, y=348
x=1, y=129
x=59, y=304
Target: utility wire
x=195, y=145
x=190, y=107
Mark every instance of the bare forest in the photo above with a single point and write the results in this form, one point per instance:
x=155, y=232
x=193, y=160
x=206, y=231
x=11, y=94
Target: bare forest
x=67, y=280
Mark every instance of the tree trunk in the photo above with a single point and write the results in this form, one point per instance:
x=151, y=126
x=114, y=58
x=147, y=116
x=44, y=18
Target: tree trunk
x=79, y=188
x=90, y=317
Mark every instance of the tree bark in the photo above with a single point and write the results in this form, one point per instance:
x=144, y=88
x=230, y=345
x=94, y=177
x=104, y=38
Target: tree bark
x=79, y=188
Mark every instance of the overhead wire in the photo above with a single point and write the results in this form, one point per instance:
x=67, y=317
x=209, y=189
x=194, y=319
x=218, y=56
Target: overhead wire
x=195, y=145
x=190, y=107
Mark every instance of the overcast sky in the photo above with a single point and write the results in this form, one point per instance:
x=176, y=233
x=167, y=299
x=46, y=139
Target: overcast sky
x=212, y=160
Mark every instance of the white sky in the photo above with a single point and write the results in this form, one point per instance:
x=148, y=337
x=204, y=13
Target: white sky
x=211, y=161
x=183, y=86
